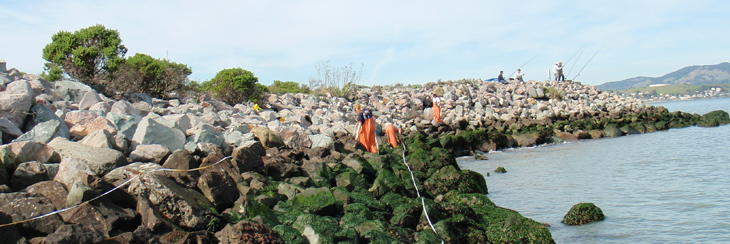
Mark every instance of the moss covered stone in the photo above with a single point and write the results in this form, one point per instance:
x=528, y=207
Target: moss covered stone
x=318, y=229
x=500, y=169
x=317, y=201
x=449, y=178
x=714, y=118
x=583, y=213
x=290, y=235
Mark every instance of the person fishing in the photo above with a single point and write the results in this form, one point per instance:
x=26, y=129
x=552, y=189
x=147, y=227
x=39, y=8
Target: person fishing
x=518, y=75
x=393, y=132
x=365, y=131
x=437, y=93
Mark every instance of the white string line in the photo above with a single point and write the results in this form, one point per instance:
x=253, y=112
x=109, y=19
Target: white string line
x=423, y=201
x=113, y=189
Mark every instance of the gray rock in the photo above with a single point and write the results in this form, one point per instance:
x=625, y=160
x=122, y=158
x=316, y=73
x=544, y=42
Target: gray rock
x=100, y=139
x=90, y=98
x=179, y=121
x=27, y=151
x=206, y=137
x=191, y=210
x=150, y=132
x=28, y=173
x=100, y=160
x=122, y=174
x=150, y=153
x=126, y=125
x=321, y=140
x=72, y=170
x=41, y=113
x=44, y=132
x=15, y=101
x=125, y=108
x=9, y=130
x=104, y=107
x=71, y=91
x=78, y=194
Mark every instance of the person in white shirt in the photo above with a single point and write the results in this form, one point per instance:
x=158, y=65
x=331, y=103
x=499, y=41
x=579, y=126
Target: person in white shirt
x=518, y=75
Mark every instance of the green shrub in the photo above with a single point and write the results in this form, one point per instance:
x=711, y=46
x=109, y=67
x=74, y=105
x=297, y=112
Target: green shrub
x=157, y=77
x=236, y=85
x=282, y=87
x=54, y=72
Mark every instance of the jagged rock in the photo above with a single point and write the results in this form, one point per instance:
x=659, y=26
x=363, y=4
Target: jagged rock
x=100, y=139
x=27, y=151
x=249, y=157
x=72, y=170
x=218, y=187
x=180, y=159
x=28, y=173
x=150, y=153
x=100, y=123
x=90, y=98
x=268, y=138
x=150, y=132
x=71, y=91
x=323, y=141
x=179, y=121
x=248, y=232
x=611, y=130
x=125, y=108
x=41, y=113
x=191, y=210
x=9, y=130
x=22, y=205
x=279, y=168
x=15, y=101
x=53, y=190
x=44, y=132
x=99, y=160
x=74, y=233
x=126, y=125
x=103, y=107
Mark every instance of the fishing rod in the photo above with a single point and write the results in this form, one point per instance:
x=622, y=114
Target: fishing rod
x=589, y=60
x=576, y=60
x=510, y=75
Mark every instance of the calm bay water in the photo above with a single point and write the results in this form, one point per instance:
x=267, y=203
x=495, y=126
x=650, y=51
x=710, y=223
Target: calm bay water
x=663, y=187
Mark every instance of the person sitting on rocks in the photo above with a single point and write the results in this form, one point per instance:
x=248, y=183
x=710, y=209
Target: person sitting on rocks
x=500, y=78
x=393, y=132
x=518, y=75
x=365, y=131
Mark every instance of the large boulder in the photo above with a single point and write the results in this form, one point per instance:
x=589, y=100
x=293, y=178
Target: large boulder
x=219, y=188
x=150, y=153
x=248, y=157
x=15, y=101
x=583, y=213
x=321, y=140
x=182, y=160
x=248, y=232
x=89, y=99
x=714, y=118
x=71, y=91
x=41, y=113
x=100, y=160
x=185, y=207
x=45, y=132
x=22, y=206
x=27, y=174
x=125, y=108
x=9, y=130
x=19, y=152
x=126, y=125
x=53, y=190
x=100, y=139
x=268, y=138
x=151, y=132
x=612, y=130
x=100, y=123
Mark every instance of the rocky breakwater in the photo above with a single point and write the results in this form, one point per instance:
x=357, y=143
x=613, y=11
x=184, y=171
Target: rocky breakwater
x=483, y=116
x=288, y=174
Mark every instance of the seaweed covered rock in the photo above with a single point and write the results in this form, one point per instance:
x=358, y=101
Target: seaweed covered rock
x=714, y=118
x=583, y=213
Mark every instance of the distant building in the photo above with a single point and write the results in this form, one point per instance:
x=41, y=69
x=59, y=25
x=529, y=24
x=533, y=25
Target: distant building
x=658, y=85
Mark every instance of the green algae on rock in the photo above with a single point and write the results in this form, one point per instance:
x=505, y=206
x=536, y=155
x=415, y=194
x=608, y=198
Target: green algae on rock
x=583, y=213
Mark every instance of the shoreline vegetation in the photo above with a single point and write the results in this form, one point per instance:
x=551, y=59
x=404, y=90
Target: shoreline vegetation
x=295, y=173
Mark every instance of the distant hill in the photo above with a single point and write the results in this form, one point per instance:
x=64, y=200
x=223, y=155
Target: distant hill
x=691, y=75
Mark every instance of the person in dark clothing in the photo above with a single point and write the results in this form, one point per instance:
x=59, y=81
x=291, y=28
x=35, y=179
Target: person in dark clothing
x=500, y=78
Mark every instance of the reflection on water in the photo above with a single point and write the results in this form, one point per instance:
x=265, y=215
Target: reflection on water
x=668, y=186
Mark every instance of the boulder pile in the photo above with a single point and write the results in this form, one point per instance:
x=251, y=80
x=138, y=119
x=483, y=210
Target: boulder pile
x=291, y=172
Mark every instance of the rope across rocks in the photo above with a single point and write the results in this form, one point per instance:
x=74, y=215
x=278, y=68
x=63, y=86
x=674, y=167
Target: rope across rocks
x=423, y=201
x=137, y=174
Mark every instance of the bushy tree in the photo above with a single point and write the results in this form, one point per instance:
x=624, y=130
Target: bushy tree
x=156, y=77
x=87, y=55
x=54, y=72
x=281, y=87
x=236, y=85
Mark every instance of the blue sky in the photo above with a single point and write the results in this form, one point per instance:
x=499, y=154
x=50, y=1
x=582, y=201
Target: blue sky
x=407, y=42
